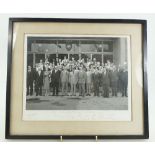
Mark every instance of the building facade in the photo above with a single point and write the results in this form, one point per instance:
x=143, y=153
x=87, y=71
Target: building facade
x=103, y=49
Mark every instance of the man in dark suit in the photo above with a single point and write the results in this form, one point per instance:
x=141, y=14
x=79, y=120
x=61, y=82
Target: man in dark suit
x=105, y=83
x=124, y=82
x=55, y=79
x=119, y=79
x=30, y=79
x=96, y=82
x=114, y=81
x=39, y=81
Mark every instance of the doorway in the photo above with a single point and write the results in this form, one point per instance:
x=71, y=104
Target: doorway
x=52, y=58
x=108, y=57
x=61, y=56
x=75, y=56
x=39, y=57
x=85, y=56
x=30, y=60
x=98, y=57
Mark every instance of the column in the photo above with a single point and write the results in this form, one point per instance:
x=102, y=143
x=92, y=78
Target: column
x=34, y=59
x=57, y=49
x=123, y=51
x=79, y=49
x=102, y=58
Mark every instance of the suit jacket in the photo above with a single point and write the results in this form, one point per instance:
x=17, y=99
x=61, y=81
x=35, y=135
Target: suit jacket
x=55, y=76
x=76, y=76
x=89, y=77
x=30, y=77
x=82, y=77
x=114, y=76
x=72, y=77
x=105, y=79
x=39, y=78
x=64, y=76
x=124, y=76
x=96, y=78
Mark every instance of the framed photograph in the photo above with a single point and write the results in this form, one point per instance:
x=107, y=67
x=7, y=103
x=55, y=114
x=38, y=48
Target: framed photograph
x=77, y=79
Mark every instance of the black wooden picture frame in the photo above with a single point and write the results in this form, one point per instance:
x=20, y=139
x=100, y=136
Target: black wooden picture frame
x=145, y=85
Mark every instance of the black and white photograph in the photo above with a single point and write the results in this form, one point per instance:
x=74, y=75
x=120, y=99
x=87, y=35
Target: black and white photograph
x=77, y=77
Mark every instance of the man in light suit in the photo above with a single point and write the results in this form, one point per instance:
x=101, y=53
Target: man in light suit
x=72, y=80
x=76, y=71
x=76, y=74
x=82, y=81
x=64, y=81
x=89, y=81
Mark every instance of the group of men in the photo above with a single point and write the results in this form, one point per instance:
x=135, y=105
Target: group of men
x=71, y=77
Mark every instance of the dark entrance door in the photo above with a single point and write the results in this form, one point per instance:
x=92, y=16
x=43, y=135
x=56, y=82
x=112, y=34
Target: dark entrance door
x=98, y=57
x=61, y=56
x=30, y=60
x=108, y=57
x=85, y=56
x=52, y=58
x=75, y=56
x=40, y=57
